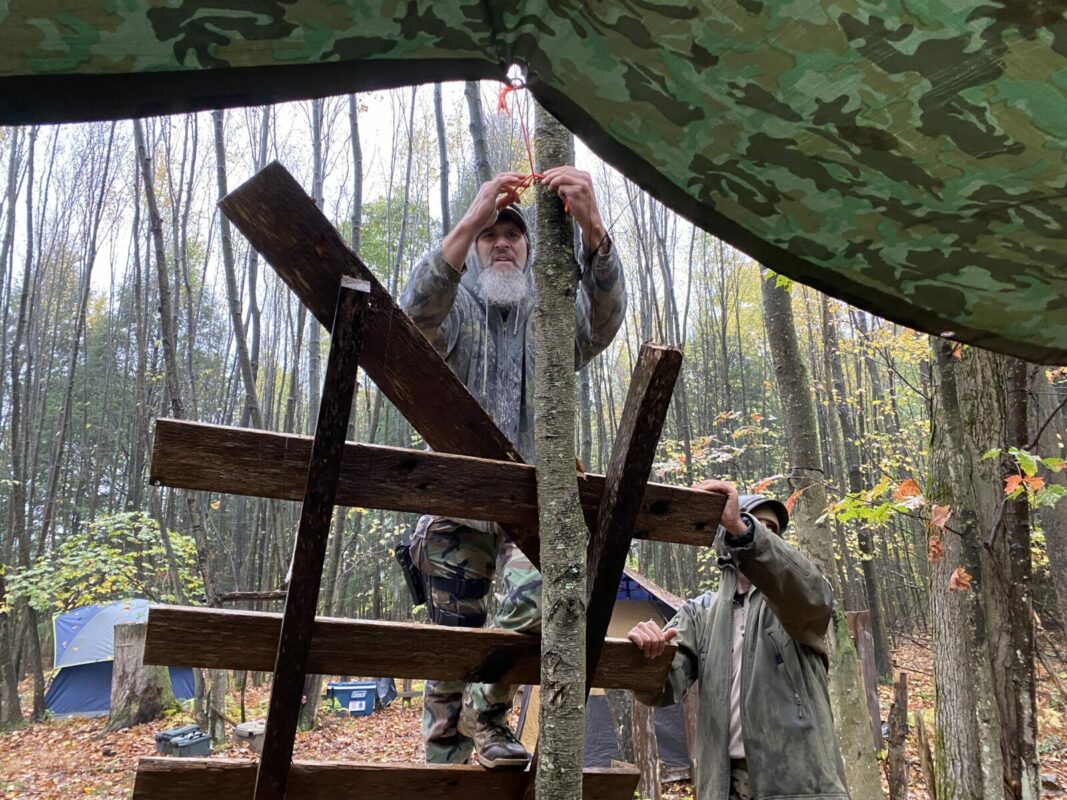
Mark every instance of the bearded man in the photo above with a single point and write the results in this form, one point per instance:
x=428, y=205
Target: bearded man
x=473, y=298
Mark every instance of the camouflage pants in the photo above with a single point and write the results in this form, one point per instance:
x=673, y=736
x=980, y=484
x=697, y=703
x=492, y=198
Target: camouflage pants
x=739, y=780
x=447, y=549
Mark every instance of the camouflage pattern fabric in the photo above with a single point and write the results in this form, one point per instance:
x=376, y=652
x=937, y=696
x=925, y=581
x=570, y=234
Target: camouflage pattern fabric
x=909, y=156
x=449, y=549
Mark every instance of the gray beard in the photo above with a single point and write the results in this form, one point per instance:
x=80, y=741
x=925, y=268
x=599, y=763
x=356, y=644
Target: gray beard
x=504, y=289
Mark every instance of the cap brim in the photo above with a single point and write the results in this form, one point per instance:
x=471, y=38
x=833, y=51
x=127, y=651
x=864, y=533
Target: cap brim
x=510, y=214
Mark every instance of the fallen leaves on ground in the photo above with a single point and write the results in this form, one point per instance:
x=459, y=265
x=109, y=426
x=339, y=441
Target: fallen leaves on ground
x=70, y=758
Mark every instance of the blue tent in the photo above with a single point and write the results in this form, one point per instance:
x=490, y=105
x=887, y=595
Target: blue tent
x=84, y=651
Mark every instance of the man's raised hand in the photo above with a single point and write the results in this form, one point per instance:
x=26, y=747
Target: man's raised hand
x=731, y=512
x=575, y=189
x=493, y=195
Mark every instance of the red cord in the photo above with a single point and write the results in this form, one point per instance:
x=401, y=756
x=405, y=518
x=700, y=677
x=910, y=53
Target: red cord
x=502, y=108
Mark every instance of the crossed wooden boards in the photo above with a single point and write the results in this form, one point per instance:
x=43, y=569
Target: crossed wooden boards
x=474, y=472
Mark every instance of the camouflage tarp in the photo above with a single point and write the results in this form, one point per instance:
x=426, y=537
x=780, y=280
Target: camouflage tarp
x=909, y=157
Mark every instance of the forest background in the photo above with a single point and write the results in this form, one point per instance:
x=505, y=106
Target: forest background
x=124, y=298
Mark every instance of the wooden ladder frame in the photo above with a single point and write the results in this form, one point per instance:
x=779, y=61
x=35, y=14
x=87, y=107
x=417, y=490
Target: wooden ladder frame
x=475, y=472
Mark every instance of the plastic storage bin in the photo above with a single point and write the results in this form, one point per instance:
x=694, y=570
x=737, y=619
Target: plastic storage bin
x=251, y=733
x=165, y=739
x=358, y=697
x=183, y=742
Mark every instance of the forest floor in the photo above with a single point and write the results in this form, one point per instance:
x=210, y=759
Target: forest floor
x=69, y=758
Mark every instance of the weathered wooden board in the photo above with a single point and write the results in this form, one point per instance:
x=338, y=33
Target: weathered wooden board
x=191, y=455
x=212, y=638
x=647, y=400
x=316, y=514
x=233, y=779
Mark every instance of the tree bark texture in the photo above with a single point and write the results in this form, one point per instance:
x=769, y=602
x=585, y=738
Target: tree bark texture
x=233, y=300
x=814, y=538
x=562, y=526
x=1048, y=431
x=646, y=750
x=850, y=439
x=139, y=694
x=482, y=170
x=442, y=158
x=172, y=373
x=982, y=636
x=621, y=705
x=898, y=730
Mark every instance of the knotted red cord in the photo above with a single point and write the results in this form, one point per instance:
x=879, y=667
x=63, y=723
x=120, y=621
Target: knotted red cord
x=502, y=108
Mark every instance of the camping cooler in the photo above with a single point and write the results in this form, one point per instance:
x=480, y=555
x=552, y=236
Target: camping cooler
x=356, y=696
x=251, y=733
x=184, y=742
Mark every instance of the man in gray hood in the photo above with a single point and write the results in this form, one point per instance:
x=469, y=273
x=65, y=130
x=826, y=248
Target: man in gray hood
x=473, y=299
x=764, y=726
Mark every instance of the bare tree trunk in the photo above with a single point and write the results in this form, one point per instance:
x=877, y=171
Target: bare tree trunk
x=563, y=532
x=10, y=705
x=646, y=751
x=814, y=538
x=1011, y=592
x=314, y=331
x=621, y=705
x=357, y=174
x=898, y=725
x=233, y=299
x=482, y=170
x=89, y=256
x=173, y=382
x=1047, y=416
x=969, y=762
x=855, y=484
x=18, y=437
x=442, y=158
x=139, y=693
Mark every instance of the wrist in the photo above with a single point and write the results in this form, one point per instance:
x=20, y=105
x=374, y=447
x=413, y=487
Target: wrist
x=594, y=235
x=457, y=243
x=740, y=527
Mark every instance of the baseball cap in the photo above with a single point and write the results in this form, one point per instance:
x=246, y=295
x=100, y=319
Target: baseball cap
x=514, y=214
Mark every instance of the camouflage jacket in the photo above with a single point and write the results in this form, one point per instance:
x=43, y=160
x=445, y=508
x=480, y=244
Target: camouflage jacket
x=788, y=729
x=493, y=353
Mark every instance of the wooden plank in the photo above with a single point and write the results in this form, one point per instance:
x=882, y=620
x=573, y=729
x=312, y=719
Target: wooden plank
x=193, y=455
x=649, y=395
x=245, y=640
x=283, y=223
x=316, y=515
x=185, y=778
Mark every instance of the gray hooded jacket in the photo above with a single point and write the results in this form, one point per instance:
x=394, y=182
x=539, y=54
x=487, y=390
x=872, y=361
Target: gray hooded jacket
x=493, y=353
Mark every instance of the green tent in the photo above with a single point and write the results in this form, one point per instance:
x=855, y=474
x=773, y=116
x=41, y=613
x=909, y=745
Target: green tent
x=909, y=157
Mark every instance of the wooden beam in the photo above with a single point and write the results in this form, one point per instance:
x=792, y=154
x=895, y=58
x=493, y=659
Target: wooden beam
x=181, y=779
x=316, y=514
x=245, y=640
x=647, y=400
x=285, y=226
x=192, y=455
